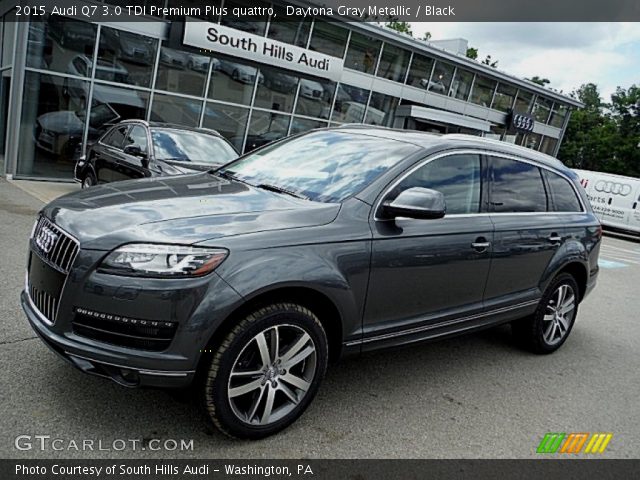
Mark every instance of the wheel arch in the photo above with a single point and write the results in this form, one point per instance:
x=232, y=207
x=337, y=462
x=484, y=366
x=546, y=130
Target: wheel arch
x=576, y=267
x=319, y=303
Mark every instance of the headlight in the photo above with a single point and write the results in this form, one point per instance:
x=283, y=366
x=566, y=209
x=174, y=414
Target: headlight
x=151, y=260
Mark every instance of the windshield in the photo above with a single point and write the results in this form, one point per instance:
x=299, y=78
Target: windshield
x=187, y=146
x=326, y=166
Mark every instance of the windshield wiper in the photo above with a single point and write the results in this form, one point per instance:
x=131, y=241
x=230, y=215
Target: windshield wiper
x=275, y=188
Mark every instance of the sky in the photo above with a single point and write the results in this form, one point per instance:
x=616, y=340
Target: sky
x=568, y=54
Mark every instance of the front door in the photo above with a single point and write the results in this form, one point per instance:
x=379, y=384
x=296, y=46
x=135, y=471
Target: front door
x=134, y=166
x=107, y=153
x=424, y=270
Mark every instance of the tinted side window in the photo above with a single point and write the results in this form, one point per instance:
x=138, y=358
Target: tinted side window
x=516, y=187
x=137, y=136
x=563, y=196
x=456, y=176
x=115, y=137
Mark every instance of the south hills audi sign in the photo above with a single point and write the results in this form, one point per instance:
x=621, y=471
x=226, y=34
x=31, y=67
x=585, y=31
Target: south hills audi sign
x=236, y=43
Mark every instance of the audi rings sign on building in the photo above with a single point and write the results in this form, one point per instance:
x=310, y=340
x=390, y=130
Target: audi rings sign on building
x=46, y=239
x=615, y=188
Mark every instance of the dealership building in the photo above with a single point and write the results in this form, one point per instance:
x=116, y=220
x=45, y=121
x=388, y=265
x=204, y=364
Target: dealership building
x=65, y=80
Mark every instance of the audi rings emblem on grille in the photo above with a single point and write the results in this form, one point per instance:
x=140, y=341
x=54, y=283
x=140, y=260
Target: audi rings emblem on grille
x=613, y=187
x=46, y=239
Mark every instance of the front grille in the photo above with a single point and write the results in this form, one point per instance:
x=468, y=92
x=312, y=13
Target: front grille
x=46, y=304
x=53, y=245
x=124, y=331
x=53, y=253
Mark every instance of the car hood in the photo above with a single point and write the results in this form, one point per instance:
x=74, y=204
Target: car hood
x=168, y=167
x=184, y=209
x=63, y=121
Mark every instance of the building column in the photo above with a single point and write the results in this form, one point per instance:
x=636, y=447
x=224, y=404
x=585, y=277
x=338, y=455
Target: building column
x=15, y=97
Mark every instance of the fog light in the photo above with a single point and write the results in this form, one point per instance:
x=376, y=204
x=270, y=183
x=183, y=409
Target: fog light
x=129, y=375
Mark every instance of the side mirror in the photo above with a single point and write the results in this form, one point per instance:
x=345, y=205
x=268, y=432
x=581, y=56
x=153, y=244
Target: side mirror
x=416, y=202
x=135, y=151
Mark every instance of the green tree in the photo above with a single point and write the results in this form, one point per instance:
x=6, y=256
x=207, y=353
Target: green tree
x=540, y=81
x=427, y=36
x=490, y=62
x=472, y=53
x=402, y=27
x=625, y=109
x=604, y=136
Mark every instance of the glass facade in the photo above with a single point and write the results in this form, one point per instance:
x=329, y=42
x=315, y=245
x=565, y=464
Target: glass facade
x=362, y=54
x=393, y=63
x=441, y=79
x=420, y=71
x=482, y=93
x=505, y=95
x=461, y=86
x=82, y=78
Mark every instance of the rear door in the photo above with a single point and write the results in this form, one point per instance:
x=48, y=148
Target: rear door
x=425, y=270
x=527, y=232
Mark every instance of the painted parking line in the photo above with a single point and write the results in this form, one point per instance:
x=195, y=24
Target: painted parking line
x=624, y=250
x=602, y=263
x=620, y=256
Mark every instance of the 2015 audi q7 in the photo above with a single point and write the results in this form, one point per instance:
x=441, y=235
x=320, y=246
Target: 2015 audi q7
x=246, y=280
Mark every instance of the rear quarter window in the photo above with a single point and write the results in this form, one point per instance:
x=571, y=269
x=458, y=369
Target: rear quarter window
x=516, y=187
x=562, y=195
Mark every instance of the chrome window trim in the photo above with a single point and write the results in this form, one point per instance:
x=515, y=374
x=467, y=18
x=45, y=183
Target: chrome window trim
x=476, y=151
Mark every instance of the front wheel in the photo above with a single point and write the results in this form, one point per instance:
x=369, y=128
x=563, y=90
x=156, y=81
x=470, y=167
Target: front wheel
x=265, y=372
x=548, y=328
x=89, y=180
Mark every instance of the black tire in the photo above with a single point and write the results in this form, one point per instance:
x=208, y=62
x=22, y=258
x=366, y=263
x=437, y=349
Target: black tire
x=535, y=333
x=89, y=180
x=241, y=346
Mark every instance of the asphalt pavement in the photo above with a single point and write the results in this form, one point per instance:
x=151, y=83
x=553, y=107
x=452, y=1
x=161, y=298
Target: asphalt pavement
x=476, y=396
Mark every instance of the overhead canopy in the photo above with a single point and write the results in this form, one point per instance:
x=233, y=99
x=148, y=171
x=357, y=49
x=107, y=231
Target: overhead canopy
x=441, y=116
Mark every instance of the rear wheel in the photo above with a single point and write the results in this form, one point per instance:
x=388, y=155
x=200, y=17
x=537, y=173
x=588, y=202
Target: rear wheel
x=265, y=372
x=548, y=328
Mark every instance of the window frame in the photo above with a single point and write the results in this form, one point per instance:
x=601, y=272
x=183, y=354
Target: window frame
x=110, y=131
x=484, y=197
x=546, y=176
x=490, y=204
x=390, y=187
x=149, y=147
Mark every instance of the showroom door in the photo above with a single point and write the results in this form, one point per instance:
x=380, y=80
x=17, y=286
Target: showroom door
x=421, y=270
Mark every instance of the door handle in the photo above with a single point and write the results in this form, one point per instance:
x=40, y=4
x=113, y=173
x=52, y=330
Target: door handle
x=480, y=245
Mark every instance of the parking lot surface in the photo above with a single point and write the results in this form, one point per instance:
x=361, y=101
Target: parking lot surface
x=476, y=396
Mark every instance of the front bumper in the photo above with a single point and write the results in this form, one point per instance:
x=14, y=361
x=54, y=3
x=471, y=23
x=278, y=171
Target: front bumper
x=197, y=306
x=102, y=361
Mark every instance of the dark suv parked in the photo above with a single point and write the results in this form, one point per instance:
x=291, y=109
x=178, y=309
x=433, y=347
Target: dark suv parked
x=138, y=149
x=246, y=280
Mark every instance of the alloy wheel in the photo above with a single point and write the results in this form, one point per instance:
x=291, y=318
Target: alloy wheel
x=272, y=374
x=559, y=314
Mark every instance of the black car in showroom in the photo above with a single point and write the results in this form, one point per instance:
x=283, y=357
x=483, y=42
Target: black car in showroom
x=245, y=281
x=137, y=149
